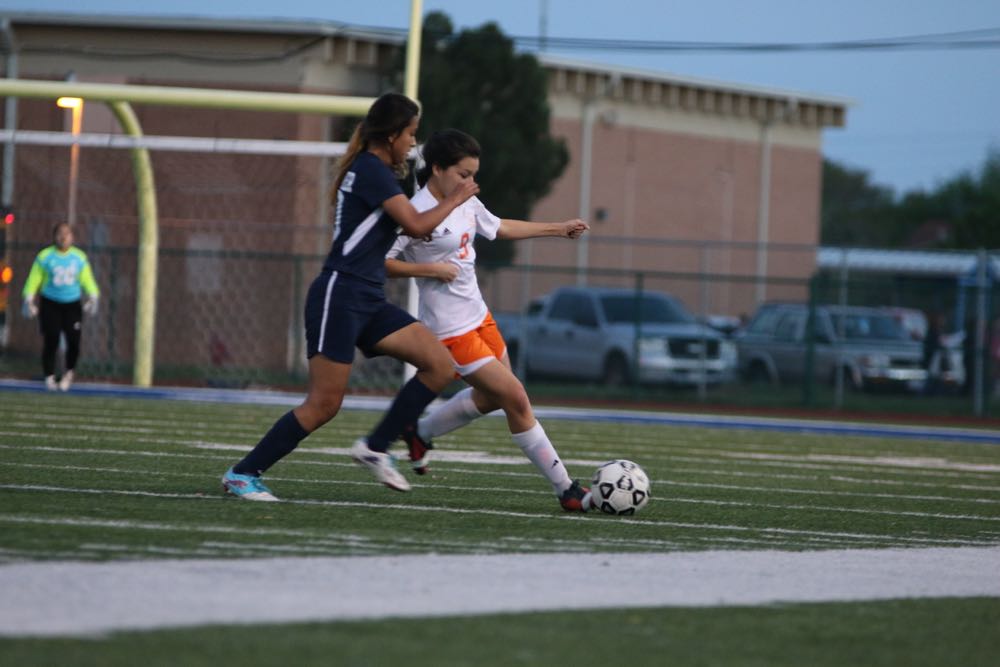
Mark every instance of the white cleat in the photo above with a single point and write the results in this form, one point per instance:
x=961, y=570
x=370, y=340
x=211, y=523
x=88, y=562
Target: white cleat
x=50, y=383
x=381, y=464
x=66, y=382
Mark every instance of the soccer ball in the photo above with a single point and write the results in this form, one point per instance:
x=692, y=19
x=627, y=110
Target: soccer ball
x=620, y=487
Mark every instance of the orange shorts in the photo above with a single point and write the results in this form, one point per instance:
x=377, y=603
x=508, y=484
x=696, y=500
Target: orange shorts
x=474, y=349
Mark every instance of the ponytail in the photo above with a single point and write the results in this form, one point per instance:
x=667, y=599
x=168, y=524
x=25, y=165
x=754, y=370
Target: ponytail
x=388, y=115
x=354, y=148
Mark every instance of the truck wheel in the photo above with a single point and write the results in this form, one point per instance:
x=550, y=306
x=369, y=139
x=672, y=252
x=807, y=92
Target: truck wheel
x=757, y=373
x=616, y=371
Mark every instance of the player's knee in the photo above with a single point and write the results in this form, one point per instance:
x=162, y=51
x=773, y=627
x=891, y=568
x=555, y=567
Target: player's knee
x=439, y=368
x=318, y=410
x=516, y=402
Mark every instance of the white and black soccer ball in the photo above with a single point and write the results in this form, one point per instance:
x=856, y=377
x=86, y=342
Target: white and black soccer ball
x=620, y=487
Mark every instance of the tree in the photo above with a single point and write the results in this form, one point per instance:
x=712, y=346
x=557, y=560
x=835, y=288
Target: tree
x=474, y=81
x=854, y=211
x=857, y=212
x=976, y=200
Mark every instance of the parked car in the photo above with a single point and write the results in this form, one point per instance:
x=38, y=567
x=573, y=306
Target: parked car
x=946, y=366
x=867, y=345
x=608, y=334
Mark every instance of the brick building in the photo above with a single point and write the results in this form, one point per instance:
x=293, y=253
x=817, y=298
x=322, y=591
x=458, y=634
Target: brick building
x=672, y=159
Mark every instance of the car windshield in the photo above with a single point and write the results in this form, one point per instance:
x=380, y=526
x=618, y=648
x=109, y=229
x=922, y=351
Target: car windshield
x=854, y=326
x=655, y=309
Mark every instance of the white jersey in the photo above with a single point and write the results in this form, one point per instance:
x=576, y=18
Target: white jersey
x=449, y=309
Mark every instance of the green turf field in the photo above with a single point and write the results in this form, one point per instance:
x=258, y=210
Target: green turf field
x=97, y=479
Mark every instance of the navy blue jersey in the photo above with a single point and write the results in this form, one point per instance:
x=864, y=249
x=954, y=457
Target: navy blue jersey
x=363, y=232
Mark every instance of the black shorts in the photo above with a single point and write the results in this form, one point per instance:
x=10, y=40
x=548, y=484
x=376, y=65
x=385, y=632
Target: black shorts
x=55, y=317
x=344, y=312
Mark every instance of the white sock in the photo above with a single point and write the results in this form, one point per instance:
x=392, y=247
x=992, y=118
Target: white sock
x=537, y=447
x=457, y=411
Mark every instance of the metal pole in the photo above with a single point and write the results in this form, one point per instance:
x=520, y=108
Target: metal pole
x=702, y=348
x=838, y=396
x=412, y=76
x=74, y=162
x=203, y=98
x=978, y=365
x=149, y=243
x=543, y=24
x=10, y=123
x=521, y=363
x=10, y=117
x=586, y=153
x=411, y=89
x=763, y=209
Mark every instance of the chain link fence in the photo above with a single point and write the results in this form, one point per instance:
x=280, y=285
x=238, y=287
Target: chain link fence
x=241, y=237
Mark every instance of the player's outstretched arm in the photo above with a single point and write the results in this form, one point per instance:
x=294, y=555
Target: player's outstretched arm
x=515, y=230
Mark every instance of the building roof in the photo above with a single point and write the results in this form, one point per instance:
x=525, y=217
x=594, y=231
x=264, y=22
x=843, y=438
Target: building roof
x=280, y=26
x=653, y=76
x=392, y=36
x=914, y=262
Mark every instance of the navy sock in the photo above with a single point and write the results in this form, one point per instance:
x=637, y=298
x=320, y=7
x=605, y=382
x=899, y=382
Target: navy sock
x=405, y=409
x=284, y=436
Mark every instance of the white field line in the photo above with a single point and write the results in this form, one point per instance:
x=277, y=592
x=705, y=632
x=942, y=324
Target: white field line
x=326, y=541
x=503, y=513
x=507, y=489
x=924, y=463
x=897, y=482
x=790, y=463
x=53, y=599
x=446, y=456
x=836, y=478
x=333, y=541
x=598, y=418
x=778, y=461
x=466, y=458
x=636, y=443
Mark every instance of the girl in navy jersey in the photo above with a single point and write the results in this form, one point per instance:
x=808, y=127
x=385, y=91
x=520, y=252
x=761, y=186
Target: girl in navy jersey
x=346, y=305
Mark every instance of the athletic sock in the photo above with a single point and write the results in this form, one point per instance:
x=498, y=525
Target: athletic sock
x=284, y=436
x=457, y=411
x=536, y=446
x=405, y=409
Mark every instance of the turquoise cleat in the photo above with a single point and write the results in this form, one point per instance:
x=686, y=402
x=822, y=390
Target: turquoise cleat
x=247, y=487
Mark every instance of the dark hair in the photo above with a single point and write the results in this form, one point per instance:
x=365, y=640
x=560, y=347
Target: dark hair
x=444, y=149
x=388, y=115
x=58, y=226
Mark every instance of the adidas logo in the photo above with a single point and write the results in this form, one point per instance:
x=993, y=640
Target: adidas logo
x=446, y=232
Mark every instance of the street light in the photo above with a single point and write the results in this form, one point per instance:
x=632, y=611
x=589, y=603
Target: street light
x=75, y=104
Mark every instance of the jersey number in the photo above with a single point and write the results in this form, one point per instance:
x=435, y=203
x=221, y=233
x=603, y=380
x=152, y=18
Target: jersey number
x=63, y=276
x=463, y=249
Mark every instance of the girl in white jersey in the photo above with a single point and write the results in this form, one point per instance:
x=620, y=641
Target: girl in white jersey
x=451, y=305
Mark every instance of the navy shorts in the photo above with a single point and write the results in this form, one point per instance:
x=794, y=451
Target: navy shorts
x=344, y=312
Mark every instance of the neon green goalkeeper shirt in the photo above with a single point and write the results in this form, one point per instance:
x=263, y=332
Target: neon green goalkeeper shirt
x=60, y=275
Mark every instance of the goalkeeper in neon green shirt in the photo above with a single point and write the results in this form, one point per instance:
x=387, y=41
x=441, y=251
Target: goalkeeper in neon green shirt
x=53, y=290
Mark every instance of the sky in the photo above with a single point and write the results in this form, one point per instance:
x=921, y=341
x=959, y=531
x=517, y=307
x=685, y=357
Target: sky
x=917, y=119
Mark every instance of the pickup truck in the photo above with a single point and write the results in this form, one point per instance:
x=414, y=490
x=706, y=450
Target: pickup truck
x=866, y=345
x=591, y=333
